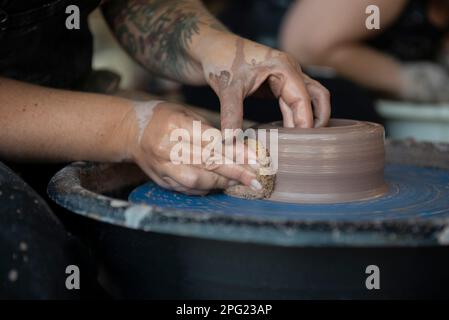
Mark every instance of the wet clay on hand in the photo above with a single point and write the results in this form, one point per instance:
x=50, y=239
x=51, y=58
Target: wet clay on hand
x=234, y=76
x=340, y=163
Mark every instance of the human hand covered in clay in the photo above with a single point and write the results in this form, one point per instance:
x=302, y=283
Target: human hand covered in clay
x=182, y=41
x=424, y=82
x=150, y=148
x=43, y=124
x=236, y=68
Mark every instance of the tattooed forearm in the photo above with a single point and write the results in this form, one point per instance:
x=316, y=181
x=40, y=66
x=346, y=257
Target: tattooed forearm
x=158, y=33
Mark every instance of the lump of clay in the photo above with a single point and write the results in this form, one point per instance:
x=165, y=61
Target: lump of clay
x=339, y=163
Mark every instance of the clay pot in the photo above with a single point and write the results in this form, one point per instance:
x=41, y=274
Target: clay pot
x=339, y=163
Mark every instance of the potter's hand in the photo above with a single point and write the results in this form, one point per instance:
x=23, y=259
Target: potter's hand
x=424, y=82
x=156, y=148
x=181, y=40
x=235, y=68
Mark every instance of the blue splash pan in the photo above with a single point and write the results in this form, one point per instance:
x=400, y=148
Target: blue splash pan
x=414, y=193
x=415, y=211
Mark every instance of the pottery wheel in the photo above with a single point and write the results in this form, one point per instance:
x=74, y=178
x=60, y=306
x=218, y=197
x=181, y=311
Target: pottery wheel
x=329, y=173
x=413, y=192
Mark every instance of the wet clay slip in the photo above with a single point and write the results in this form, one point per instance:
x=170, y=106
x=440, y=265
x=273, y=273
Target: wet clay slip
x=339, y=163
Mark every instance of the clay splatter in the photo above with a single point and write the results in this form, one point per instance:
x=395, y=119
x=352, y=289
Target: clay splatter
x=23, y=246
x=144, y=112
x=135, y=214
x=13, y=275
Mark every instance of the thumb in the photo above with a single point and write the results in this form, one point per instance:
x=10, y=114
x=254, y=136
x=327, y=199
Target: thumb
x=231, y=109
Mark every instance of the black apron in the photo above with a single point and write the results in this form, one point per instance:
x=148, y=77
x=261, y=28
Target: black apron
x=36, y=46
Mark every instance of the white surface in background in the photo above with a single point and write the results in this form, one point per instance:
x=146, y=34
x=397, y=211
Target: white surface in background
x=423, y=122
